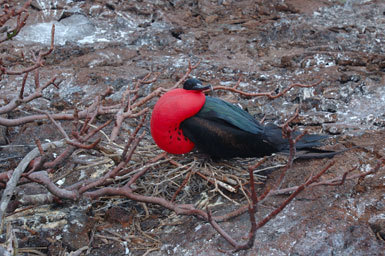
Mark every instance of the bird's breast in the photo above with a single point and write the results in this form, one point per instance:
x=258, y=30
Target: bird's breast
x=171, y=109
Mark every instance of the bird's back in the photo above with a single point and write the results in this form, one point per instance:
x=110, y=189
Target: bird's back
x=223, y=130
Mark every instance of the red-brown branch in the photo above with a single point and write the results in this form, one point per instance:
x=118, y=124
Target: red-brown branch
x=293, y=195
x=270, y=95
x=43, y=179
x=60, y=159
x=184, y=182
x=60, y=116
x=220, y=230
x=144, y=170
x=14, y=103
x=9, y=13
x=21, y=95
x=112, y=173
x=131, y=107
x=21, y=21
x=39, y=62
x=131, y=138
x=83, y=146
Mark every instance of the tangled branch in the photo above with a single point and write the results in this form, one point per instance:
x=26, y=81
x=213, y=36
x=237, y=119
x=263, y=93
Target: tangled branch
x=271, y=95
x=129, y=167
x=8, y=14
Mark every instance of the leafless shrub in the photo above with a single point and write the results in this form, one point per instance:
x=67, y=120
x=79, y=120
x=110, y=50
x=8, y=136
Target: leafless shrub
x=132, y=161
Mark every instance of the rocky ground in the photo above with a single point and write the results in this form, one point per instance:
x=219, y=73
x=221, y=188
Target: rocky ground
x=270, y=45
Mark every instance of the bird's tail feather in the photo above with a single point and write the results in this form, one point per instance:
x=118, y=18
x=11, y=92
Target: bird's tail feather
x=305, y=146
x=310, y=140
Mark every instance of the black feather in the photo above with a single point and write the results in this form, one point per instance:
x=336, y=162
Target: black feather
x=223, y=130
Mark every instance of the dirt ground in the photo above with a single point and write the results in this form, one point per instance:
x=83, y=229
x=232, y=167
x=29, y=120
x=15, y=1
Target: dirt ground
x=270, y=45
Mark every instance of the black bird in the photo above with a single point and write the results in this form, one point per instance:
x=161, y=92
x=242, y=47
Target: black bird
x=218, y=128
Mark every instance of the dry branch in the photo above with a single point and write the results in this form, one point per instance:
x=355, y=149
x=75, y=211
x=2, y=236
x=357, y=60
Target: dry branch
x=8, y=14
x=122, y=178
x=105, y=185
x=12, y=182
x=270, y=95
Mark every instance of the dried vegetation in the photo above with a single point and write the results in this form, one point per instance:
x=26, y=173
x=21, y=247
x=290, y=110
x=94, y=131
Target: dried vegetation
x=95, y=159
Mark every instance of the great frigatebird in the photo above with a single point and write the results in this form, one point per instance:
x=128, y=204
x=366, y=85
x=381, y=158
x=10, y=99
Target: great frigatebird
x=185, y=118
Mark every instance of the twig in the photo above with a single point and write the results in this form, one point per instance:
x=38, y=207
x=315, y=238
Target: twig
x=220, y=230
x=133, y=135
x=20, y=21
x=43, y=179
x=144, y=170
x=126, y=109
x=184, y=182
x=286, y=133
x=14, y=103
x=21, y=95
x=39, y=61
x=11, y=184
x=216, y=182
x=335, y=181
x=58, y=126
x=83, y=146
x=270, y=95
x=112, y=173
x=292, y=196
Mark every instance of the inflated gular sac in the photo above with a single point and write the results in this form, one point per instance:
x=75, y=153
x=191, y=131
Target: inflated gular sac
x=171, y=109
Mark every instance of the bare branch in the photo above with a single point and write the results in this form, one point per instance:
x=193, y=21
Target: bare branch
x=17, y=101
x=11, y=184
x=20, y=21
x=293, y=195
x=270, y=95
x=23, y=86
x=43, y=179
x=83, y=146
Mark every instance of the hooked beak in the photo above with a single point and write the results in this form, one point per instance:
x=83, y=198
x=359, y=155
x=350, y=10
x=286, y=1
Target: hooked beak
x=195, y=85
x=200, y=87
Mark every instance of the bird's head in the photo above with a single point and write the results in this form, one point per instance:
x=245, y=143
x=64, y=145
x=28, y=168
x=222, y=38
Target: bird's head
x=195, y=84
